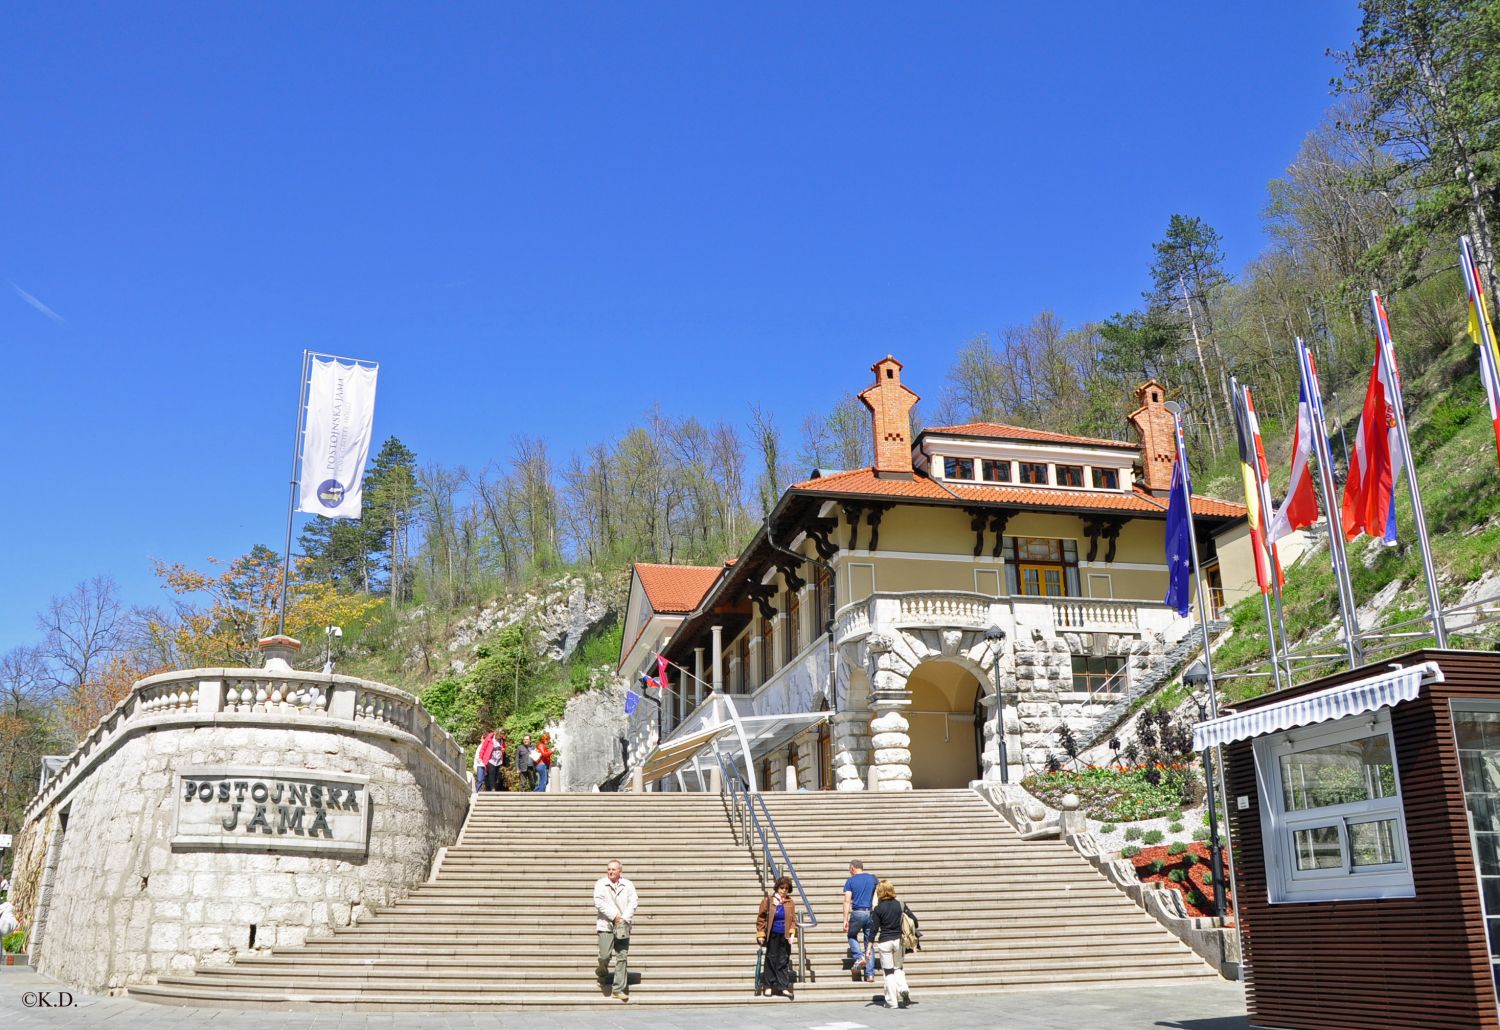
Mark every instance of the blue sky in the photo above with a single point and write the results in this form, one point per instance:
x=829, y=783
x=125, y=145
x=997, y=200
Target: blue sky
x=540, y=219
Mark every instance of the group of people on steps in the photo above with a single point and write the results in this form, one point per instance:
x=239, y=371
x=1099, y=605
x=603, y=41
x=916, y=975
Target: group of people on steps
x=532, y=762
x=878, y=925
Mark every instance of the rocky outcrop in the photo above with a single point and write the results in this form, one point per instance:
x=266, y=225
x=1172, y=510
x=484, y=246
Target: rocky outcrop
x=560, y=616
x=596, y=738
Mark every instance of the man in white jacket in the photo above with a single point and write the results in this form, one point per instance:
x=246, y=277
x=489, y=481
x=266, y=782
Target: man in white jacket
x=615, y=901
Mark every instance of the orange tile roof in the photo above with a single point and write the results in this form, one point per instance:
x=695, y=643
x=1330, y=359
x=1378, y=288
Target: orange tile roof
x=864, y=482
x=676, y=589
x=1001, y=431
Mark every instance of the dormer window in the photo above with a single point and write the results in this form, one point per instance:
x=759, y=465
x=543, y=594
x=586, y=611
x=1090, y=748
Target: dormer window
x=994, y=471
x=1033, y=473
x=1106, y=479
x=958, y=468
x=1070, y=475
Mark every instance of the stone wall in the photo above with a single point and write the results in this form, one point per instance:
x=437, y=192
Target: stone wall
x=113, y=900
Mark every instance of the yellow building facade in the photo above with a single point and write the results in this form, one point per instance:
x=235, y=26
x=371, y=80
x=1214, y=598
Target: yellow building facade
x=862, y=639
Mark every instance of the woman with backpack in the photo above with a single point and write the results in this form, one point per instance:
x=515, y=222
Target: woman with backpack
x=543, y=762
x=776, y=931
x=886, y=915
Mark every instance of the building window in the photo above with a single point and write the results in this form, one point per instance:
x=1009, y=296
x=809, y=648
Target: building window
x=1070, y=475
x=1106, y=479
x=1039, y=567
x=1033, y=473
x=1098, y=675
x=822, y=585
x=994, y=471
x=958, y=468
x=1331, y=812
x=793, y=625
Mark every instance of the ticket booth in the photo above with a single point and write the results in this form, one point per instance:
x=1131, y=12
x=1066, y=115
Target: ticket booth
x=1365, y=809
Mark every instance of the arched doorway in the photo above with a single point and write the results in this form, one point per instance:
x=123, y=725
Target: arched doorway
x=945, y=748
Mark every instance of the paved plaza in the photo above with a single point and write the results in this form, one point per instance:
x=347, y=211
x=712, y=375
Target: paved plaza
x=1216, y=1005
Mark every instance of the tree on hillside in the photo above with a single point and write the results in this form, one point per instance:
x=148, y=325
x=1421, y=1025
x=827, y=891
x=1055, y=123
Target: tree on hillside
x=767, y=440
x=27, y=690
x=365, y=554
x=839, y=439
x=1429, y=71
x=1188, y=278
x=217, y=616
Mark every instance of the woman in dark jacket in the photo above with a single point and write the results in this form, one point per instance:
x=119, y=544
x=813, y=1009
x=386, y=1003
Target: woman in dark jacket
x=886, y=915
x=776, y=930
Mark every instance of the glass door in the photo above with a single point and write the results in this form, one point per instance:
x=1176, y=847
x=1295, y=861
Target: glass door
x=1478, y=734
x=1042, y=581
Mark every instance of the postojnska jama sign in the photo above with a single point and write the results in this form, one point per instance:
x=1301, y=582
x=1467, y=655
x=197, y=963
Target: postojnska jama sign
x=265, y=809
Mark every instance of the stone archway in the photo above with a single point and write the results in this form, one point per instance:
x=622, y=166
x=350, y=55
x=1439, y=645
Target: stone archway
x=941, y=723
x=873, y=734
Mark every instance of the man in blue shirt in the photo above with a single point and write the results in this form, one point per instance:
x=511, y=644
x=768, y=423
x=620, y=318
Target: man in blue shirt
x=859, y=898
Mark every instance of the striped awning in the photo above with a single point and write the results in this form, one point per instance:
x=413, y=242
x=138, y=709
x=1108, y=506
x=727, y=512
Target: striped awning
x=1401, y=683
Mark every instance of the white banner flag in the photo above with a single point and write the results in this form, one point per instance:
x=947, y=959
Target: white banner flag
x=336, y=442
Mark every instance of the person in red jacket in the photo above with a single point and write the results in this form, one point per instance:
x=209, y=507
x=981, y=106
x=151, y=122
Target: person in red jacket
x=543, y=763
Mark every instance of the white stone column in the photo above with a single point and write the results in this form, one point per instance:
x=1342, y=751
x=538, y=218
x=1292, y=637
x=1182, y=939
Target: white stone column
x=892, y=748
x=718, y=646
x=698, y=674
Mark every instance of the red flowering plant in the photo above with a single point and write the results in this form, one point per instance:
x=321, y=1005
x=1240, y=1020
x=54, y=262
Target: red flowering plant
x=1185, y=868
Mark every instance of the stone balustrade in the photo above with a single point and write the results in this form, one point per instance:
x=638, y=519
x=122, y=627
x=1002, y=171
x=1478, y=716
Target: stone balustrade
x=253, y=696
x=1078, y=613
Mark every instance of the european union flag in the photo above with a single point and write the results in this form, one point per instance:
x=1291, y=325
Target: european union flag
x=631, y=700
x=1179, y=545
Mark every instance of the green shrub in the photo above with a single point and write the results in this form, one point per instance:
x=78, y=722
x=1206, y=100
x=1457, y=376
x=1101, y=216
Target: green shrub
x=1201, y=833
x=14, y=943
x=1107, y=828
x=1197, y=900
x=1208, y=877
x=1157, y=865
x=1132, y=833
x=1152, y=837
x=1177, y=876
x=1175, y=828
x=1129, y=851
x=1177, y=848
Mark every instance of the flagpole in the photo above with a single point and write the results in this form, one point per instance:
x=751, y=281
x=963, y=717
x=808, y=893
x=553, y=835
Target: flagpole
x=1388, y=356
x=1324, y=453
x=1216, y=774
x=291, y=507
x=1246, y=441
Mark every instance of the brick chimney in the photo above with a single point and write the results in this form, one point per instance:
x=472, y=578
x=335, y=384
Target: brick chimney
x=1154, y=424
x=890, y=404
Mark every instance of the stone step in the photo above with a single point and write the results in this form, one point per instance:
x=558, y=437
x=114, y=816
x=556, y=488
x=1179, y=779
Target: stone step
x=436, y=940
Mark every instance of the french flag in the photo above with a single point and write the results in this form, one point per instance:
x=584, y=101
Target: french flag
x=1369, y=495
x=1299, y=509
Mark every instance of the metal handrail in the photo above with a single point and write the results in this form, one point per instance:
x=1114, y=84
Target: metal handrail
x=744, y=801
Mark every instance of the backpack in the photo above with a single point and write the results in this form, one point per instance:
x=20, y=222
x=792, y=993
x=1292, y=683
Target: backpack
x=910, y=935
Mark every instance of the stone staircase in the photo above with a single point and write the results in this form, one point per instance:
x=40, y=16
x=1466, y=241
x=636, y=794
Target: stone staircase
x=508, y=920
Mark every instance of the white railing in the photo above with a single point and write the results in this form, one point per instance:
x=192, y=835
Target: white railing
x=1086, y=613
x=944, y=607
x=254, y=696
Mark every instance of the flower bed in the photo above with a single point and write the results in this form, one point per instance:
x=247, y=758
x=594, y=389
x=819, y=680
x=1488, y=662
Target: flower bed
x=1122, y=793
x=1192, y=867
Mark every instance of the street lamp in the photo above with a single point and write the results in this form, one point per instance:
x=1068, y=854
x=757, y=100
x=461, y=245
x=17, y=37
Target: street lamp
x=994, y=635
x=330, y=634
x=1196, y=676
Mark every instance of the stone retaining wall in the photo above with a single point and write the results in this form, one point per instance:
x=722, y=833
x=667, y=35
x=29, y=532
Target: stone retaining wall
x=114, y=901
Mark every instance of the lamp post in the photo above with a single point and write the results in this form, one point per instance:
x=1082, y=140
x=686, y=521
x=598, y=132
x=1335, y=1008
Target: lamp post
x=994, y=635
x=1195, y=677
x=330, y=634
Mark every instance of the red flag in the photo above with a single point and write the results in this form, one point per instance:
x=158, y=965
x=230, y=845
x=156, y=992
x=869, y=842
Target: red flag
x=1368, y=494
x=1263, y=484
x=1299, y=509
x=660, y=682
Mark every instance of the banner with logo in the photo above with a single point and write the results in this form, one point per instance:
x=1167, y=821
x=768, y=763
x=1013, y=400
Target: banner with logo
x=336, y=438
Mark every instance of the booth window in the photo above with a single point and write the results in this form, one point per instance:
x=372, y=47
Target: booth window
x=1331, y=812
